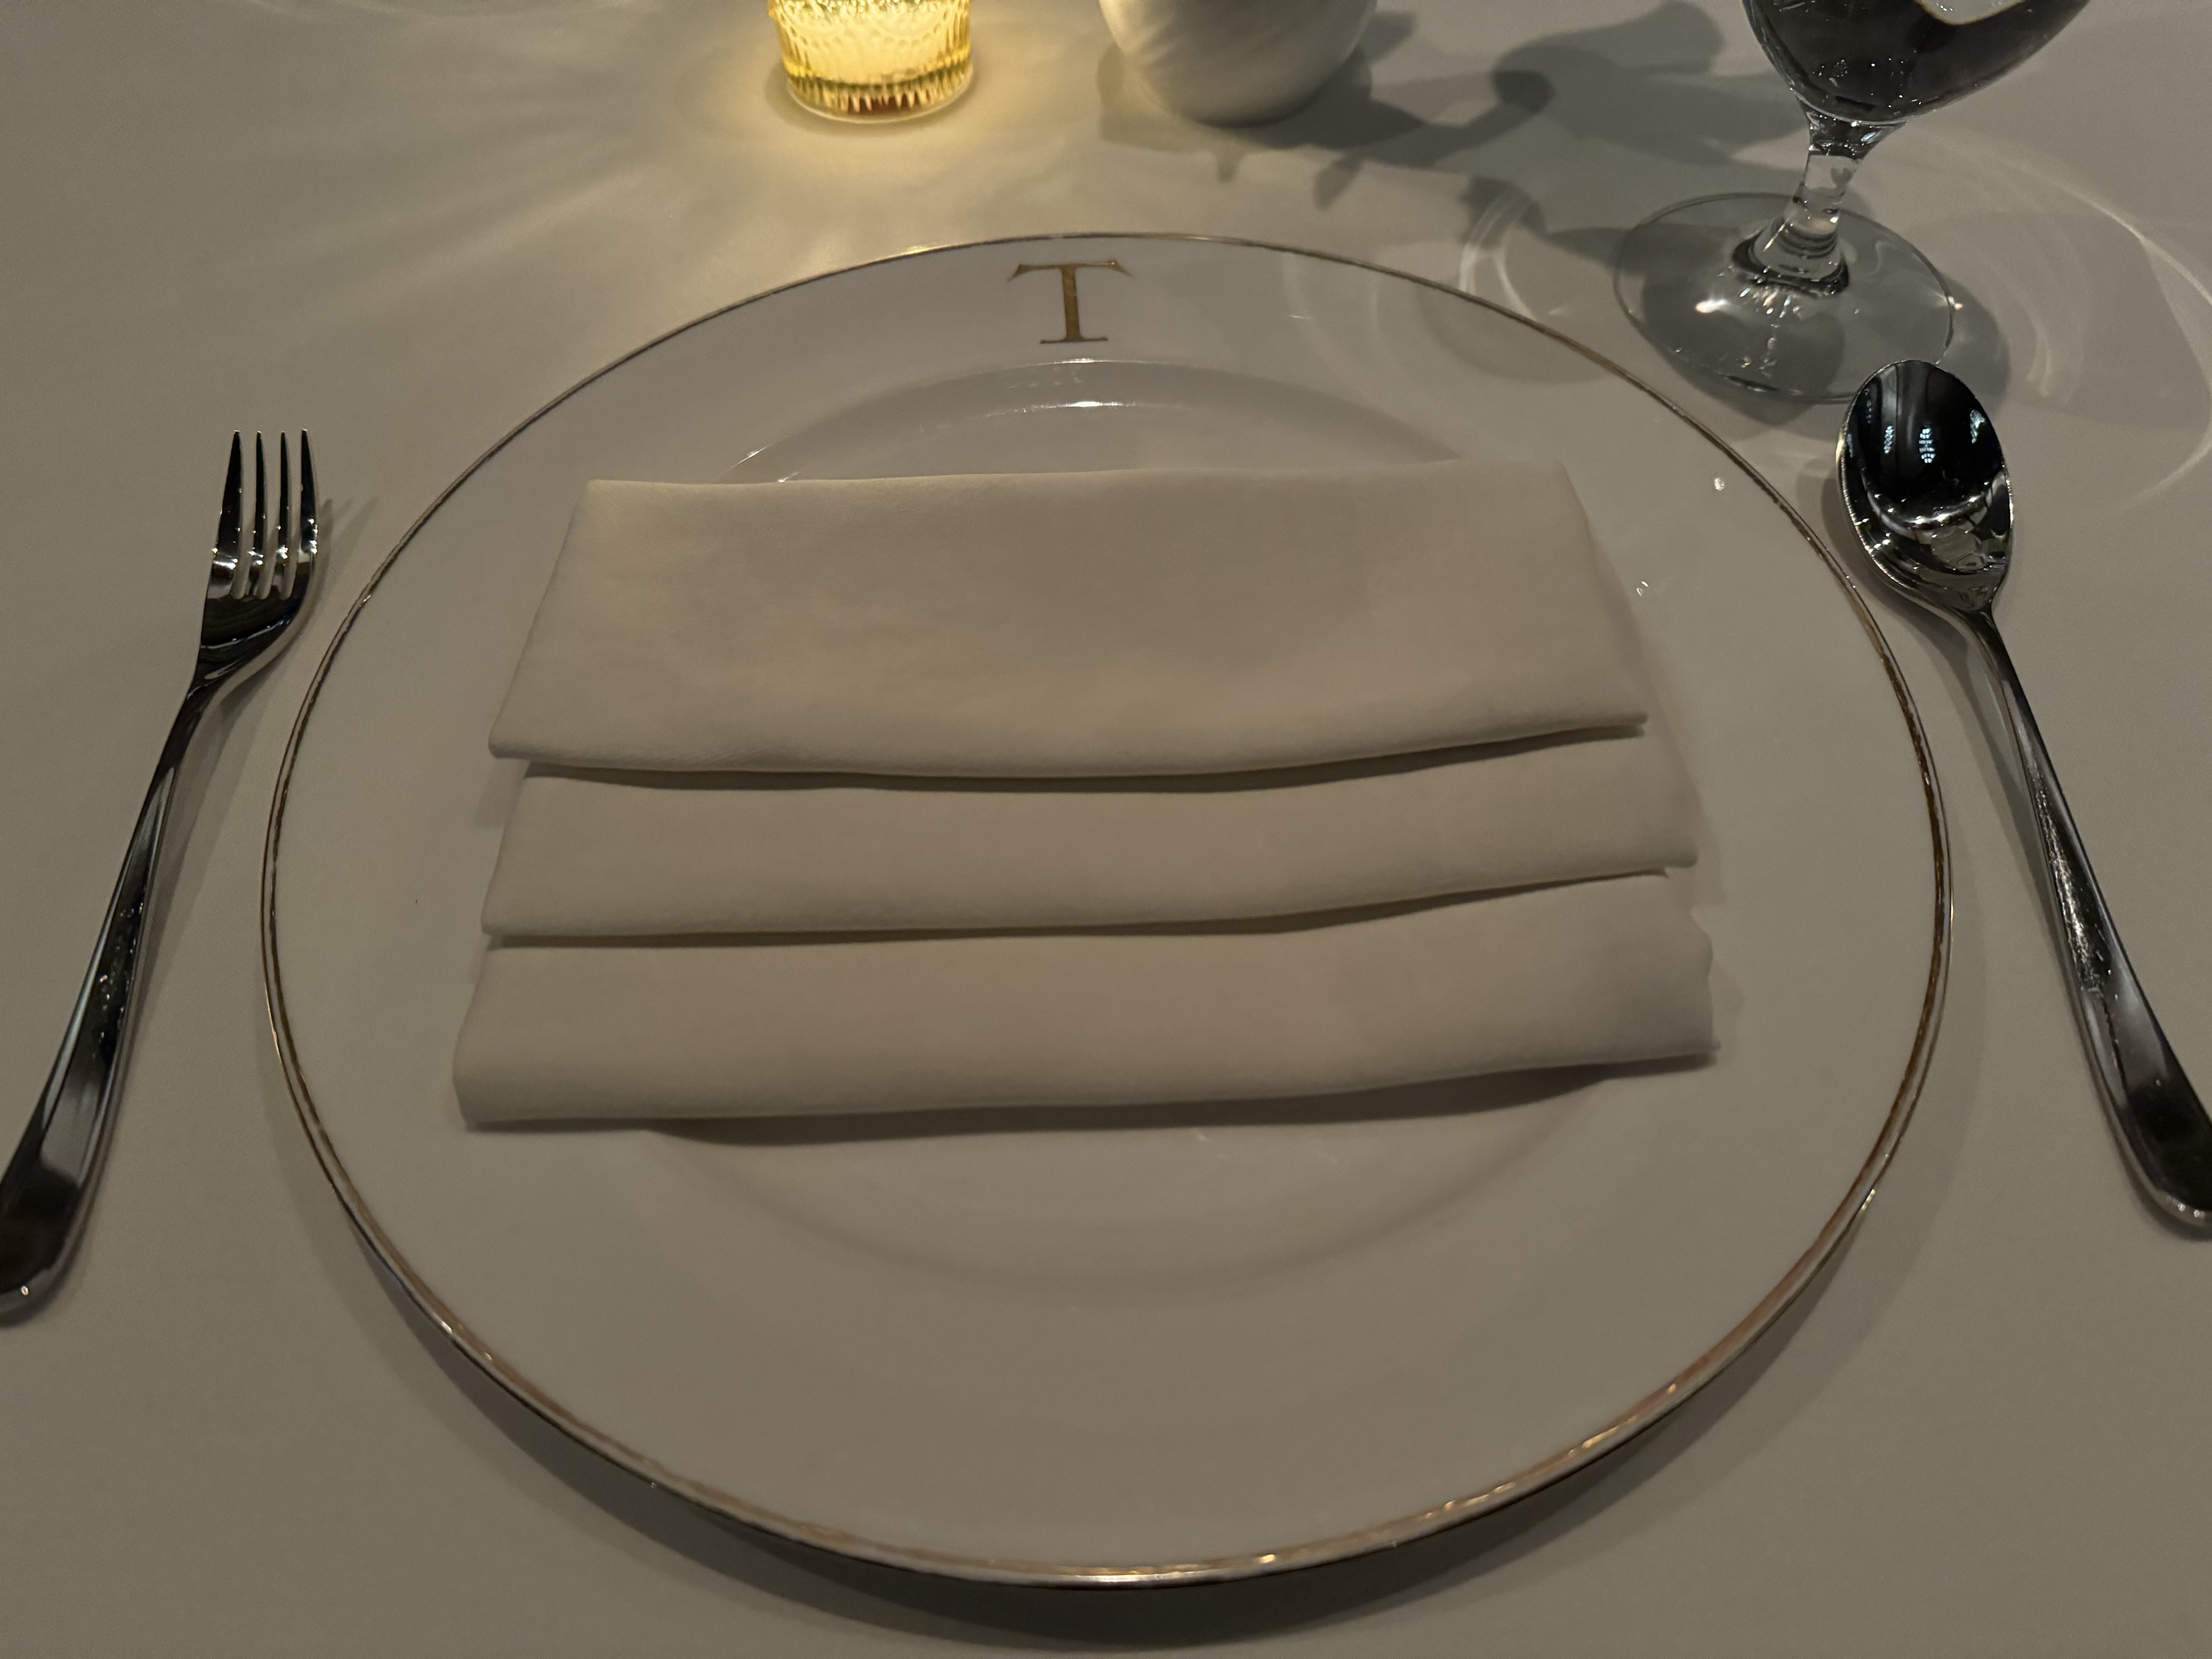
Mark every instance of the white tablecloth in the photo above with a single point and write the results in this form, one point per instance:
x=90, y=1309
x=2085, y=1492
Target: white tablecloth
x=403, y=224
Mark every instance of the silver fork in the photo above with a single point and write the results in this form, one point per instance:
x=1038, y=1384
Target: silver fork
x=255, y=590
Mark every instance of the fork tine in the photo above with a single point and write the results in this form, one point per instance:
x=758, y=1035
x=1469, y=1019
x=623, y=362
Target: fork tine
x=279, y=567
x=303, y=554
x=223, y=571
x=249, y=574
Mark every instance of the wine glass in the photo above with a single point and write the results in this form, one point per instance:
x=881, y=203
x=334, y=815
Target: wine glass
x=1799, y=297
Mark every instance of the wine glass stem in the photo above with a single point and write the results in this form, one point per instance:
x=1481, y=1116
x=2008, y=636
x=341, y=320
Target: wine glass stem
x=1800, y=249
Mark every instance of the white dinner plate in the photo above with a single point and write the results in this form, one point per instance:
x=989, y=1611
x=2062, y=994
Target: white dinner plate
x=1157, y=1345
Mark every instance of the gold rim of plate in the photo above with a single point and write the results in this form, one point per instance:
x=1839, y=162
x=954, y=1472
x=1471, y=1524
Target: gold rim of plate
x=1639, y=1417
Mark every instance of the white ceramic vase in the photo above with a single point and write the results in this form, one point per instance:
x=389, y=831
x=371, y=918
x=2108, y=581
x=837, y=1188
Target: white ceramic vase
x=1231, y=62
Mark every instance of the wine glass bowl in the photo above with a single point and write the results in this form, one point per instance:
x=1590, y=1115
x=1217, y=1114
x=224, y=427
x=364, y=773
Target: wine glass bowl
x=1795, y=295
x=1877, y=62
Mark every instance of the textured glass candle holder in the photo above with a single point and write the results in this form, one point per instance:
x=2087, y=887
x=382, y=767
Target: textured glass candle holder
x=873, y=60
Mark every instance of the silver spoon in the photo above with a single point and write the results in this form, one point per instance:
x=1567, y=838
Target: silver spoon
x=1926, y=487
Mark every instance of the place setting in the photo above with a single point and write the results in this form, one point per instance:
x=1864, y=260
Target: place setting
x=1124, y=910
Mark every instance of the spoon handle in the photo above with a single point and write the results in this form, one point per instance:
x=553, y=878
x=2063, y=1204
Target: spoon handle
x=2162, y=1128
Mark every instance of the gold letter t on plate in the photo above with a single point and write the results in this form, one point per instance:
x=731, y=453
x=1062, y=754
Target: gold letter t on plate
x=1070, y=305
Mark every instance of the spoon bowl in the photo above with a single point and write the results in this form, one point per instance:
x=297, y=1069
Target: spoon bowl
x=1924, y=482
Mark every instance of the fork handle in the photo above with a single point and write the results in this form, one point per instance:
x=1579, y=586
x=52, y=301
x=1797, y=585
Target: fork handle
x=2163, y=1131
x=46, y=1190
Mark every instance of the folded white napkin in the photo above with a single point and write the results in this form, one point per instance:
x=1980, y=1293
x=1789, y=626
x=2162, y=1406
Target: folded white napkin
x=1189, y=722
x=1581, y=974
x=1069, y=625
x=611, y=853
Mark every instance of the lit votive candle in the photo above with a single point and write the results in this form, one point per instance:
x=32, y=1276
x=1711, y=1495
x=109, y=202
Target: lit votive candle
x=873, y=60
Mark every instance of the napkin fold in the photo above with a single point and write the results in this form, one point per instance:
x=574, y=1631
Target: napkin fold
x=1586, y=974
x=1087, y=625
x=614, y=853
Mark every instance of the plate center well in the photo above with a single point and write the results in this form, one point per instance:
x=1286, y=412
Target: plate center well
x=1147, y=1199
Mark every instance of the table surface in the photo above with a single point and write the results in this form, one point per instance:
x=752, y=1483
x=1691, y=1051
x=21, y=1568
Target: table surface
x=404, y=224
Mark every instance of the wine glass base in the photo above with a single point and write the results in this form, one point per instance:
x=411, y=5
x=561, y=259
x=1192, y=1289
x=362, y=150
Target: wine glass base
x=1679, y=280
